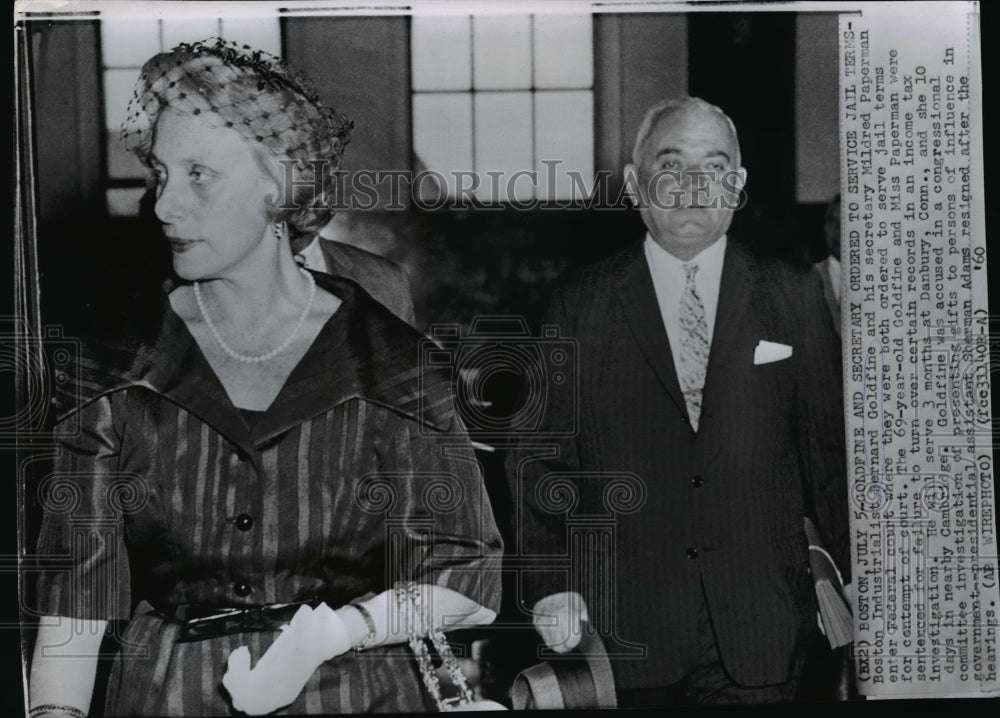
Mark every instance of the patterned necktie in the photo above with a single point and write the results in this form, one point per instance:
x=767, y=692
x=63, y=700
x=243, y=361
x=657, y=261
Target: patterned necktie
x=694, y=345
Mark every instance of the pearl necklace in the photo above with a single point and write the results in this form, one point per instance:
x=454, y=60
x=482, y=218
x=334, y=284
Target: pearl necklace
x=246, y=358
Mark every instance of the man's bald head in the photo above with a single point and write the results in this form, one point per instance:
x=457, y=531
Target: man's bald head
x=666, y=108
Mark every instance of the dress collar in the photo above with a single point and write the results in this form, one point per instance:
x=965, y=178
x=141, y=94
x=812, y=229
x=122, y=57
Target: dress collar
x=363, y=351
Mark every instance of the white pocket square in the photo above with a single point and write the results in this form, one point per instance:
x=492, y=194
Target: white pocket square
x=767, y=352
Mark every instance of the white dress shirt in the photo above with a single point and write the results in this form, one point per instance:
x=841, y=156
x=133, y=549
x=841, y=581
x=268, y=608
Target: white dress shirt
x=312, y=256
x=669, y=280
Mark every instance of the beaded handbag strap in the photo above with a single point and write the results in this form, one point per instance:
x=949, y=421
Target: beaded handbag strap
x=409, y=595
x=451, y=665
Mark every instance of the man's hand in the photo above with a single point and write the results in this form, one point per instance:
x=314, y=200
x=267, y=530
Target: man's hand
x=559, y=618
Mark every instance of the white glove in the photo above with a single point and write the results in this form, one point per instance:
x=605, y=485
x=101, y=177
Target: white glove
x=558, y=618
x=312, y=637
x=483, y=705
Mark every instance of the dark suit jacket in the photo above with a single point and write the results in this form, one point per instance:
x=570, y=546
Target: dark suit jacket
x=722, y=507
x=382, y=278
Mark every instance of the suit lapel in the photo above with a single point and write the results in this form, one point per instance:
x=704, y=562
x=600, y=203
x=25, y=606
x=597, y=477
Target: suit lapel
x=337, y=262
x=638, y=298
x=735, y=298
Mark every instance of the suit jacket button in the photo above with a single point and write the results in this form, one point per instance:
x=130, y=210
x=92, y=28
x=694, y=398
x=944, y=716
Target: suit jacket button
x=244, y=522
x=697, y=481
x=241, y=589
x=692, y=553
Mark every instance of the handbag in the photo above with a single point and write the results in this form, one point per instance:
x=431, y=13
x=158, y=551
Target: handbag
x=465, y=700
x=579, y=679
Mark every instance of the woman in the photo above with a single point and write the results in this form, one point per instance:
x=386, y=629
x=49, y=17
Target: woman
x=276, y=456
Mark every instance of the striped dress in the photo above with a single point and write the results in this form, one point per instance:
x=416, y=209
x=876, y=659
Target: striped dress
x=359, y=474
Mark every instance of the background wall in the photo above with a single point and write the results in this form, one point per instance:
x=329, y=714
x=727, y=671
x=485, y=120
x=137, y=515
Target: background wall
x=66, y=57
x=817, y=154
x=361, y=67
x=639, y=59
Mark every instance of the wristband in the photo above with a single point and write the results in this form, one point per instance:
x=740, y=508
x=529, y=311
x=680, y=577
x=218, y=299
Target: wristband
x=52, y=709
x=369, y=639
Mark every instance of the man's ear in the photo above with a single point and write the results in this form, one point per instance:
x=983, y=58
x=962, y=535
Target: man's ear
x=631, y=187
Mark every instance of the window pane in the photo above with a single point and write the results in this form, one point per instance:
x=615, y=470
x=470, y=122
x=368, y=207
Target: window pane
x=129, y=43
x=564, y=133
x=118, y=88
x=178, y=30
x=441, y=53
x=442, y=135
x=124, y=202
x=503, y=143
x=260, y=33
x=502, y=47
x=563, y=46
x=122, y=164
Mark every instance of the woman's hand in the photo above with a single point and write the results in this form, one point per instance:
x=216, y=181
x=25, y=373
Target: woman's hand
x=315, y=636
x=445, y=608
x=312, y=637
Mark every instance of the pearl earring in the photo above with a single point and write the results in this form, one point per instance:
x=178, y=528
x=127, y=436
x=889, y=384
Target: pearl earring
x=279, y=230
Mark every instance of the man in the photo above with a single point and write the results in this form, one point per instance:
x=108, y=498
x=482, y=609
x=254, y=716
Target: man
x=382, y=278
x=714, y=378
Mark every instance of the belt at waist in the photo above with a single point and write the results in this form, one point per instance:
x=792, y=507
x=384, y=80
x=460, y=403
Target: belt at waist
x=200, y=622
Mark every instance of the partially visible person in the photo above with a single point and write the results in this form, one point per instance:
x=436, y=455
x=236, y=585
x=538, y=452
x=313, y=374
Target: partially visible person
x=385, y=280
x=235, y=474
x=830, y=268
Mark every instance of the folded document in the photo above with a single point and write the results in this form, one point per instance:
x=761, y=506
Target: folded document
x=834, y=608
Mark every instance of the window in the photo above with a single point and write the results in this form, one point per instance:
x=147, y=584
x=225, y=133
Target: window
x=125, y=46
x=503, y=95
